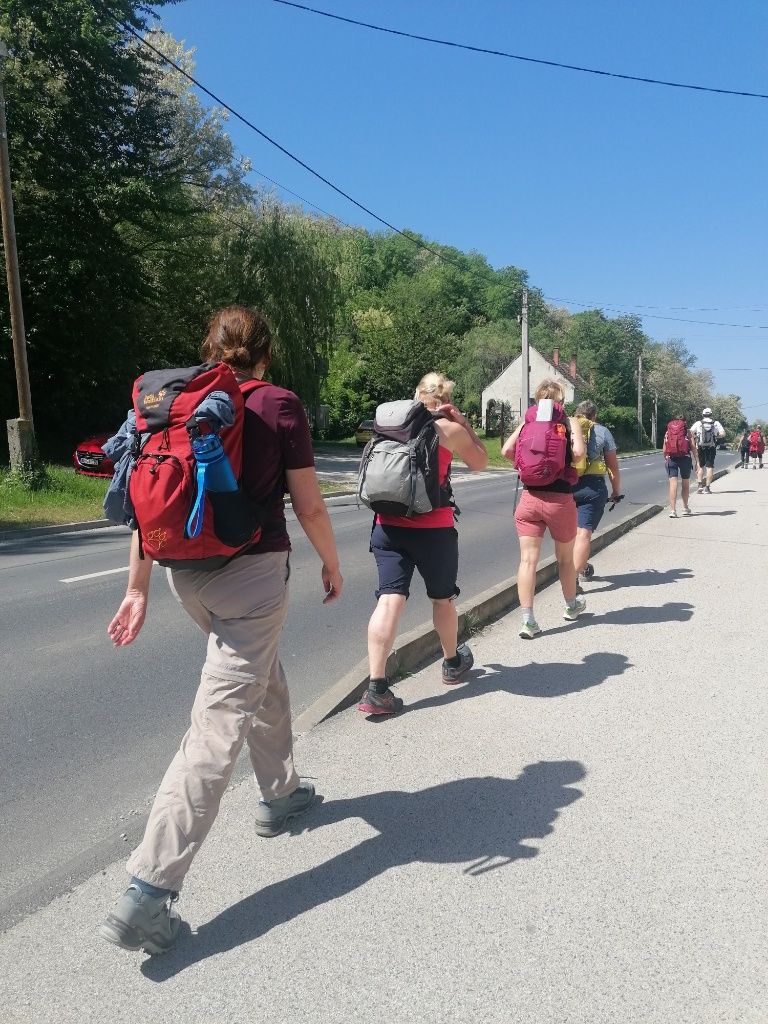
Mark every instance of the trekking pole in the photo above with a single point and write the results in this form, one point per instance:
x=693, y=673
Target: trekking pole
x=517, y=491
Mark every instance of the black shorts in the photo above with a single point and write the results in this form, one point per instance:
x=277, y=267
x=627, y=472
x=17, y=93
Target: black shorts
x=707, y=456
x=434, y=551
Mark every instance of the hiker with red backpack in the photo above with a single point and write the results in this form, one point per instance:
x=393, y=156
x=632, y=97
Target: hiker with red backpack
x=543, y=449
x=680, y=456
x=210, y=508
x=756, y=448
x=405, y=479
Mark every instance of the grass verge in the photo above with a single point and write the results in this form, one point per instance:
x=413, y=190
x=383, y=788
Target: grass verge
x=69, y=498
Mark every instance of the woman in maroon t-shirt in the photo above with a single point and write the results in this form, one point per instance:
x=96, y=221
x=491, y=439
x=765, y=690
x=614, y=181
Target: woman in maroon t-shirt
x=243, y=695
x=426, y=542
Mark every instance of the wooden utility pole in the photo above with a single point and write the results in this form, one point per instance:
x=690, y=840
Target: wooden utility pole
x=21, y=436
x=525, y=389
x=640, y=398
x=655, y=420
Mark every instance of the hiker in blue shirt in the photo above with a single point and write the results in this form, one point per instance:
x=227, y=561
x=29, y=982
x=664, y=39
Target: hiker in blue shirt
x=591, y=491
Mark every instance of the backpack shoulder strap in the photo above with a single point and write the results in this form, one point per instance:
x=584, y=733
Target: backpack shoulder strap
x=247, y=387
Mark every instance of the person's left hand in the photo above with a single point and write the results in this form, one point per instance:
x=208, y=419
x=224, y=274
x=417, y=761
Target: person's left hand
x=452, y=413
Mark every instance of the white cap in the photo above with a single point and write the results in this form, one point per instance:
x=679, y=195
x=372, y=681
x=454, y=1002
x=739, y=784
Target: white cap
x=707, y=412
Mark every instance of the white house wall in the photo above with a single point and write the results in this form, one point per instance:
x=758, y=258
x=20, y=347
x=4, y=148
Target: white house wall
x=507, y=386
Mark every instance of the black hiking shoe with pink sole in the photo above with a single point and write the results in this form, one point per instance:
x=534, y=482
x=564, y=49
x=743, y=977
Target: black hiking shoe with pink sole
x=452, y=675
x=372, y=703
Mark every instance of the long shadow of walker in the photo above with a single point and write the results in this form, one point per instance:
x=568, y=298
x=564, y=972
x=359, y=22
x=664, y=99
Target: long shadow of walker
x=672, y=611
x=641, y=578
x=479, y=822
x=546, y=679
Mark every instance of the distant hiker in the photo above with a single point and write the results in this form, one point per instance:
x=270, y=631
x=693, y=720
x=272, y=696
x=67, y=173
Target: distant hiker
x=744, y=450
x=707, y=432
x=591, y=492
x=240, y=605
x=680, y=456
x=543, y=449
x=405, y=479
x=756, y=448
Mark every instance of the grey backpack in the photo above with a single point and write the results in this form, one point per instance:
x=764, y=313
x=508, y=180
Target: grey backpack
x=399, y=470
x=707, y=438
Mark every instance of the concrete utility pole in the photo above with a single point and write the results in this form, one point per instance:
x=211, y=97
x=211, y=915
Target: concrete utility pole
x=21, y=435
x=525, y=391
x=640, y=399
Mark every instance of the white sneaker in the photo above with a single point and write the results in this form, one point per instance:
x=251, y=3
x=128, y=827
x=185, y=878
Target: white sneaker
x=687, y=511
x=673, y=514
x=573, y=611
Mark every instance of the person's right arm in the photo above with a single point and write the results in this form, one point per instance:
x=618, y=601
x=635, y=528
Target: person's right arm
x=508, y=449
x=694, y=449
x=578, y=445
x=127, y=623
x=455, y=429
x=312, y=514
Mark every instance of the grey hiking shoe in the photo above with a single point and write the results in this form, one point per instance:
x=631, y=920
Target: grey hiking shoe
x=139, y=921
x=529, y=630
x=272, y=817
x=575, y=608
x=452, y=675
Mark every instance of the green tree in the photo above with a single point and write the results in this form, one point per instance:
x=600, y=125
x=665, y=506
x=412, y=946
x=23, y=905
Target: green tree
x=90, y=155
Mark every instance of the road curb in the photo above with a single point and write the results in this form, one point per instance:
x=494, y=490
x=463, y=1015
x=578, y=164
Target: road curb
x=422, y=644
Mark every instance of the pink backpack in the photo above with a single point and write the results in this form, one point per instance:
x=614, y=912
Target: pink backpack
x=540, y=452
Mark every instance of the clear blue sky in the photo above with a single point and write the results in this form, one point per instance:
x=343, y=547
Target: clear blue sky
x=610, y=193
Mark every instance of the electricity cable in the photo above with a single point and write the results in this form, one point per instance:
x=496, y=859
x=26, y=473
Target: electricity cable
x=656, y=316
x=521, y=57
x=415, y=241
x=240, y=117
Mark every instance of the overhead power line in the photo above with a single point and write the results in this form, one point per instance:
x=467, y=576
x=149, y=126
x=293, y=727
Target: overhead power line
x=521, y=57
x=273, y=142
x=656, y=316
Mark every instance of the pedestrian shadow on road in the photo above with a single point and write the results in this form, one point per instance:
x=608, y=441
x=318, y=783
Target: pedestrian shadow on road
x=641, y=578
x=725, y=512
x=672, y=611
x=535, y=679
x=480, y=823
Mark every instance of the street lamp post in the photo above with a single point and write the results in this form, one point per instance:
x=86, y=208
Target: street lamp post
x=21, y=434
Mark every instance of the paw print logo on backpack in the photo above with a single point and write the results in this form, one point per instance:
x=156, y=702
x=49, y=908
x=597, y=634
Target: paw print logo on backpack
x=158, y=538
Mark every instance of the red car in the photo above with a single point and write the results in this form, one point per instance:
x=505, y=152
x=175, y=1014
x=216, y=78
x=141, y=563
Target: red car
x=89, y=457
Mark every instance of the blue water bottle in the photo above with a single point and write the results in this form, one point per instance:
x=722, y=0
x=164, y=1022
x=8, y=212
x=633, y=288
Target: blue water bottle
x=214, y=473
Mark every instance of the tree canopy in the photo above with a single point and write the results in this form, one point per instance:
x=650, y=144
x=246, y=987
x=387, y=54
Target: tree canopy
x=136, y=221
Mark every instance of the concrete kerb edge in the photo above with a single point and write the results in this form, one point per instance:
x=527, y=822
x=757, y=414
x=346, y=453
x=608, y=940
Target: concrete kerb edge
x=422, y=644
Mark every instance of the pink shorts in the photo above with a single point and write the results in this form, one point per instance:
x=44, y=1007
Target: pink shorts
x=546, y=510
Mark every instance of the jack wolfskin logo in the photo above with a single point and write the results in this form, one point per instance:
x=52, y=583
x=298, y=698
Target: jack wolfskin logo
x=150, y=401
x=158, y=538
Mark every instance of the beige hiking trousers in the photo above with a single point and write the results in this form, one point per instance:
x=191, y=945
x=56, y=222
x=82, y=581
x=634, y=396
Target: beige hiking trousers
x=243, y=696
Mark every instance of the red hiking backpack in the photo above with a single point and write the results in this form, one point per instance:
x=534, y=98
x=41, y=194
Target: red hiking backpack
x=541, y=448
x=756, y=443
x=163, y=481
x=676, y=441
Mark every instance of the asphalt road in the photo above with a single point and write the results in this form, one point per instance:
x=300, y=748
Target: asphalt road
x=87, y=731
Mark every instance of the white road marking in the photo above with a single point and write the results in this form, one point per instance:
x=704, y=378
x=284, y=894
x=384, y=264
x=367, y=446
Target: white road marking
x=93, y=575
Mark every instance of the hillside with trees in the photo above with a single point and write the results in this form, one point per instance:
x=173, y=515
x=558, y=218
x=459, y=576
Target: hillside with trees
x=136, y=219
